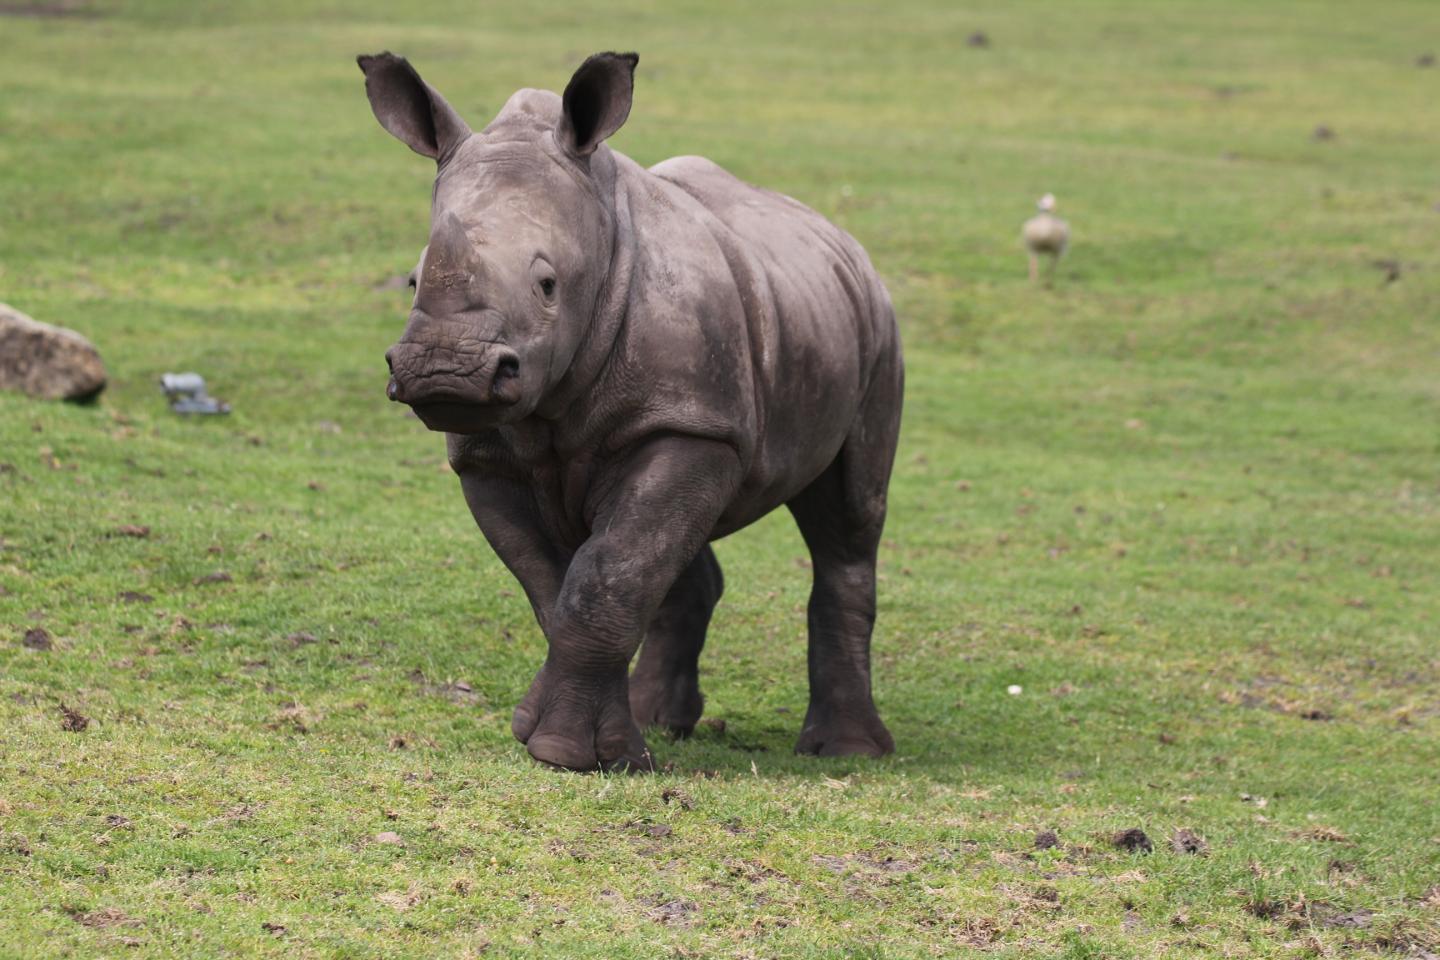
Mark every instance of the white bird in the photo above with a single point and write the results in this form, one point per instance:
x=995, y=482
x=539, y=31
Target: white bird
x=1045, y=234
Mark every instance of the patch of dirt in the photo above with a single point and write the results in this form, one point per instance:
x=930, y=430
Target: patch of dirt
x=400, y=902
x=73, y=720
x=300, y=637
x=674, y=913
x=389, y=837
x=219, y=576
x=236, y=814
x=1188, y=841
x=1024, y=900
x=1133, y=840
x=753, y=871
x=1350, y=920
x=134, y=596
x=1264, y=908
x=1327, y=834
x=37, y=638
x=677, y=796
x=978, y=932
x=138, y=531
x=1300, y=912
x=1047, y=840
x=293, y=717
x=862, y=861
x=456, y=691
x=103, y=918
x=574, y=851
x=274, y=929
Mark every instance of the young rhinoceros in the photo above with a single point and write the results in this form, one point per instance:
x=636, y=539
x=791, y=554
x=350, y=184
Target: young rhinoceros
x=629, y=364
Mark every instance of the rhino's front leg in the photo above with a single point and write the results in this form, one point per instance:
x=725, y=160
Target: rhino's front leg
x=504, y=509
x=654, y=512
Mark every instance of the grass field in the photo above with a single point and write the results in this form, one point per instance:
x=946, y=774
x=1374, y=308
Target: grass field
x=1188, y=499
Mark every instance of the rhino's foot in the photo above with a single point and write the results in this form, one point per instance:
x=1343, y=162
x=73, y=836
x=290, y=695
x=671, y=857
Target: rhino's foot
x=673, y=704
x=581, y=726
x=845, y=734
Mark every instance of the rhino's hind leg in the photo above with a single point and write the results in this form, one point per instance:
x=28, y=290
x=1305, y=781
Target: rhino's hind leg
x=665, y=686
x=841, y=515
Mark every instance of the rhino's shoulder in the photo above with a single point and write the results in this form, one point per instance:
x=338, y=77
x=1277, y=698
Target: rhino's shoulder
x=736, y=201
x=702, y=178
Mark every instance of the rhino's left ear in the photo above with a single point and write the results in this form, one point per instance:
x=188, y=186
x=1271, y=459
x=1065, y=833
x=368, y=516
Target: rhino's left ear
x=596, y=101
x=409, y=108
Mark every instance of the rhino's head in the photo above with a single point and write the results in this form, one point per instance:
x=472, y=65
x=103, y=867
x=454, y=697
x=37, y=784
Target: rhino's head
x=521, y=238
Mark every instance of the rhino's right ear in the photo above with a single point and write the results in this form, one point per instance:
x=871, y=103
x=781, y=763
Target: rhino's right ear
x=407, y=106
x=596, y=101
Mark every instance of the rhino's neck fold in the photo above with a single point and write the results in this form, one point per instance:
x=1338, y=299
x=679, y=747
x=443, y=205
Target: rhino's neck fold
x=611, y=305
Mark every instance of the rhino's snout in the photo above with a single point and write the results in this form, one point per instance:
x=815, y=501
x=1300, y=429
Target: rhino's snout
x=447, y=387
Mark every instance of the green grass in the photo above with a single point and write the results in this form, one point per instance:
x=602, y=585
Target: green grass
x=1188, y=499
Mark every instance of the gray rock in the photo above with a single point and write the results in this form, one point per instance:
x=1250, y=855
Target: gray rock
x=47, y=362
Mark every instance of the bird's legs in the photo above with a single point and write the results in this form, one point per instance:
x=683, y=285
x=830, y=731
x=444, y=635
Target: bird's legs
x=1034, y=269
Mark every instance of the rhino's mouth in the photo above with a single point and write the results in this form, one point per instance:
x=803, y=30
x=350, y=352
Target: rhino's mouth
x=455, y=415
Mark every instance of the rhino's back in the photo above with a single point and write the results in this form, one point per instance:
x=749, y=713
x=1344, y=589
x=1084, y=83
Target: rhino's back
x=789, y=240
x=819, y=320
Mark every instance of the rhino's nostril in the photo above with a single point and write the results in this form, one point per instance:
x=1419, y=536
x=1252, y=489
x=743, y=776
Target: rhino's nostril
x=505, y=387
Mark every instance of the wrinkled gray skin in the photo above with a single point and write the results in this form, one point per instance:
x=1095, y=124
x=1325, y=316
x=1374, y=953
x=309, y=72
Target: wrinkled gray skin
x=629, y=364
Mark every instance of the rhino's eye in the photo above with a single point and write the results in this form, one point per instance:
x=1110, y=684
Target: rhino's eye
x=547, y=287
